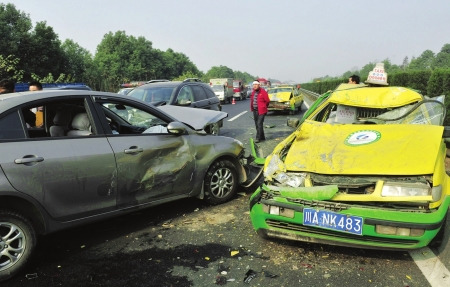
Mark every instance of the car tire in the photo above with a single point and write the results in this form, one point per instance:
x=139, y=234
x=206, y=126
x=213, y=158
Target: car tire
x=20, y=230
x=220, y=182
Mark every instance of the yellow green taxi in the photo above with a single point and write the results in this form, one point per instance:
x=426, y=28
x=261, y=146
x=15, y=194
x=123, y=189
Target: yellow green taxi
x=364, y=168
x=285, y=98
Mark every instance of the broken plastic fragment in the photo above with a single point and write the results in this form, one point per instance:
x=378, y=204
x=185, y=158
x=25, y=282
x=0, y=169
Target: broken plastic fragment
x=312, y=193
x=249, y=276
x=269, y=274
x=31, y=276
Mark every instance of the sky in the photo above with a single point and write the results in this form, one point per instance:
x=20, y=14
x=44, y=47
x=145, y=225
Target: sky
x=287, y=40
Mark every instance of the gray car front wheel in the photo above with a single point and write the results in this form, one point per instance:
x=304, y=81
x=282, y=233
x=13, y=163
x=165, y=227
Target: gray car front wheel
x=17, y=242
x=221, y=182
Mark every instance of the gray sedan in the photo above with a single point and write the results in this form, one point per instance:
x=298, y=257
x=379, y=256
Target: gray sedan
x=72, y=157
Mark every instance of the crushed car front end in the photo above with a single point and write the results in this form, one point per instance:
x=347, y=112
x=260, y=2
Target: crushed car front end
x=283, y=99
x=380, y=185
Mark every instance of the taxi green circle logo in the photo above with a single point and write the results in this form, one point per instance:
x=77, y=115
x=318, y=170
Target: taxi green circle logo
x=362, y=138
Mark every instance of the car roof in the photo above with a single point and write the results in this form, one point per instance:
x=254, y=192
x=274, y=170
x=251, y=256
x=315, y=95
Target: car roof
x=160, y=84
x=11, y=100
x=373, y=97
x=69, y=87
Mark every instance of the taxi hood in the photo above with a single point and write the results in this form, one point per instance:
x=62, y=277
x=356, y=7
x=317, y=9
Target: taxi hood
x=401, y=149
x=279, y=96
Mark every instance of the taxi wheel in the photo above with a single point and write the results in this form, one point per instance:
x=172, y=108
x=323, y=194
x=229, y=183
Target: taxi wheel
x=17, y=243
x=220, y=182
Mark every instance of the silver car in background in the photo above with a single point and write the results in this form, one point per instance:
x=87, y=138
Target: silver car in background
x=98, y=155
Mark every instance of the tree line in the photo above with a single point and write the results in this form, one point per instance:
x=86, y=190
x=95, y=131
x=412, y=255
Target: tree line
x=429, y=73
x=36, y=53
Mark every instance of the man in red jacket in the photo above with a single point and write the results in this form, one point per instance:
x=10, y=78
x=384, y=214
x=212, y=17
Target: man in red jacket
x=259, y=101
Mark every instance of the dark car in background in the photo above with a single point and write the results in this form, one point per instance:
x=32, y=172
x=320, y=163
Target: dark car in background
x=188, y=93
x=68, y=87
x=98, y=155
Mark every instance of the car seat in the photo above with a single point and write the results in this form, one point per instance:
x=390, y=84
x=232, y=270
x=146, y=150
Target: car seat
x=80, y=126
x=60, y=124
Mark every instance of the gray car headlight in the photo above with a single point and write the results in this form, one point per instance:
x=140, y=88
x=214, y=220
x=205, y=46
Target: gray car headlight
x=405, y=189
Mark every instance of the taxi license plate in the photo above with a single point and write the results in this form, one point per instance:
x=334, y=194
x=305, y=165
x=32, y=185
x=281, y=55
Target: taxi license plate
x=331, y=220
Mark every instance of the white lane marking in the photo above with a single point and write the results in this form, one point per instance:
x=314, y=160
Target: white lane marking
x=306, y=104
x=235, y=117
x=432, y=268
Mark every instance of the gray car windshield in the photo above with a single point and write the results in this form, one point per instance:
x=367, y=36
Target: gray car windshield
x=280, y=90
x=153, y=94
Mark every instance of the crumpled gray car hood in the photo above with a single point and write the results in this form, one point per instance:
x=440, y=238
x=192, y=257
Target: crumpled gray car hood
x=196, y=118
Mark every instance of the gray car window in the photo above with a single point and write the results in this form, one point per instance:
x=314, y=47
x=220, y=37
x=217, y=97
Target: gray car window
x=199, y=93
x=185, y=96
x=209, y=93
x=126, y=119
x=11, y=127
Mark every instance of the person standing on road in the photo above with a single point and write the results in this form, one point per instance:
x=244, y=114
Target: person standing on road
x=259, y=101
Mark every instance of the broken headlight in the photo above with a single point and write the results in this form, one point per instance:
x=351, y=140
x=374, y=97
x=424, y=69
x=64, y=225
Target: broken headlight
x=291, y=179
x=275, y=164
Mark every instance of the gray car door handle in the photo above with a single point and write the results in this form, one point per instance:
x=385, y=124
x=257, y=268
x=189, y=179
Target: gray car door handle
x=29, y=159
x=133, y=150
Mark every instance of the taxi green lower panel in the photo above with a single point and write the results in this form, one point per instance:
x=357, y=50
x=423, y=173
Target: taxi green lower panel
x=292, y=228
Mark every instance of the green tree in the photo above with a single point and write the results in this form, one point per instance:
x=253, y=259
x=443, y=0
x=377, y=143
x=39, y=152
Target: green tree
x=177, y=64
x=442, y=59
x=364, y=72
x=436, y=83
x=113, y=59
x=77, y=61
x=14, y=30
x=219, y=72
x=246, y=77
x=423, y=62
x=44, y=54
x=9, y=68
x=405, y=63
x=185, y=76
x=391, y=68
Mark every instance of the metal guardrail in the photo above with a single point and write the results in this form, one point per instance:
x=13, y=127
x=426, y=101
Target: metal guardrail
x=312, y=95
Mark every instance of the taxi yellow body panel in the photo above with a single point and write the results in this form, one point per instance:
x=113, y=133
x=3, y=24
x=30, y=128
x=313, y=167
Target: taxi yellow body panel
x=327, y=149
x=365, y=168
x=380, y=97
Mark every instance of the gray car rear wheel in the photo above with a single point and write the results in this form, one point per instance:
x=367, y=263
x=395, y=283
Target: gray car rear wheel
x=17, y=242
x=221, y=182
